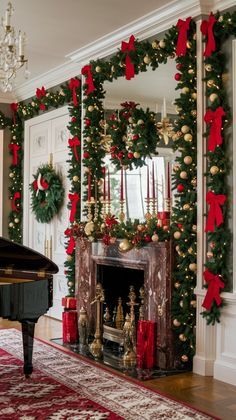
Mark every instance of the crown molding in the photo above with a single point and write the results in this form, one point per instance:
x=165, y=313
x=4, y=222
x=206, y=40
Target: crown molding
x=147, y=26
x=7, y=98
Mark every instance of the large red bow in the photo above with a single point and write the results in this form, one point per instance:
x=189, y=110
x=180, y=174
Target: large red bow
x=213, y=290
x=40, y=93
x=73, y=85
x=207, y=30
x=74, y=198
x=126, y=47
x=14, y=108
x=16, y=196
x=14, y=149
x=87, y=72
x=74, y=143
x=43, y=184
x=215, y=119
x=215, y=212
x=183, y=27
x=71, y=245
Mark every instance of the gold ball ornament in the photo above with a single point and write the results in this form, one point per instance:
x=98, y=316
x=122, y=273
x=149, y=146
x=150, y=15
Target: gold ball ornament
x=176, y=323
x=11, y=175
x=188, y=44
x=181, y=303
x=98, y=69
x=190, y=250
x=192, y=267
x=140, y=122
x=176, y=168
x=213, y=97
x=183, y=175
x=190, y=71
x=184, y=358
x=194, y=182
x=177, y=235
x=75, y=178
x=125, y=245
x=140, y=228
x=185, y=129
x=210, y=83
x=175, y=137
x=186, y=206
x=177, y=285
x=130, y=120
x=162, y=43
x=137, y=155
x=185, y=90
x=16, y=220
x=208, y=67
x=221, y=18
x=88, y=139
x=11, y=224
x=177, y=248
x=155, y=45
x=147, y=59
x=182, y=337
x=209, y=254
x=188, y=137
x=193, y=303
x=194, y=112
x=194, y=228
x=90, y=108
x=155, y=238
x=194, y=95
x=214, y=170
x=188, y=160
x=69, y=258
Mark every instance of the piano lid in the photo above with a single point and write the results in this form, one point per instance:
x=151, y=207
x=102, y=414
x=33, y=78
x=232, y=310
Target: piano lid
x=21, y=258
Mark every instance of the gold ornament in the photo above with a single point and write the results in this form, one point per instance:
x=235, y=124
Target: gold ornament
x=177, y=248
x=177, y=284
x=185, y=129
x=130, y=120
x=182, y=337
x=11, y=224
x=69, y=258
x=209, y=254
x=193, y=267
x=208, y=67
x=190, y=71
x=183, y=175
x=194, y=228
x=147, y=59
x=186, y=206
x=177, y=234
x=188, y=137
x=188, y=44
x=194, y=95
x=113, y=69
x=90, y=108
x=176, y=323
x=181, y=303
x=75, y=178
x=89, y=228
x=213, y=97
x=210, y=83
x=16, y=220
x=140, y=228
x=214, y=170
x=155, y=45
x=137, y=155
x=140, y=122
x=88, y=139
x=221, y=18
x=190, y=250
x=155, y=237
x=194, y=182
x=175, y=137
x=188, y=160
x=184, y=358
x=125, y=245
x=193, y=303
x=98, y=69
x=162, y=43
x=176, y=168
x=185, y=90
x=11, y=175
x=194, y=112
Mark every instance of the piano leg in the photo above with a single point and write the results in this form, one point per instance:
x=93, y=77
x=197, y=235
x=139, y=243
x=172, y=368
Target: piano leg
x=28, y=341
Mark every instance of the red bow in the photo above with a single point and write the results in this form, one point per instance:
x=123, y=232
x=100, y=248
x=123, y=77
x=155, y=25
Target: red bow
x=215, y=212
x=183, y=27
x=74, y=143
x=215, y=119
x=43, y=184
x=87, y=72
x=40, y=93
x=127, y=47
x=14, y=149
x=14, y=108
x=74, y=198
x=207, y=30
x=213, y=290
x=73, y=85
x=71, y=246
x=16, y=196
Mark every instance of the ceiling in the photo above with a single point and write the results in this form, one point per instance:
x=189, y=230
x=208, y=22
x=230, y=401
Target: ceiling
x=56, y=28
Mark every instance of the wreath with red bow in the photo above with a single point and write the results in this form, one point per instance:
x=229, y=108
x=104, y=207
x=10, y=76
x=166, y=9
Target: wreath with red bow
x=47, y=193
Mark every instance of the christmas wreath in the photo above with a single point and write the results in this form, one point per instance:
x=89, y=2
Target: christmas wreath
x=47, y=193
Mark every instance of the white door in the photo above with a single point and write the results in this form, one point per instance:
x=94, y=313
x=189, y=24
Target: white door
x=46, y=139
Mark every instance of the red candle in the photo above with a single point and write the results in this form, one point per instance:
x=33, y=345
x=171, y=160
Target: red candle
x=89, y=186
x=148, y=195
x=104, y=185
x=122, y=185
x=153, y=181
x=108, y=187
x=168, y=181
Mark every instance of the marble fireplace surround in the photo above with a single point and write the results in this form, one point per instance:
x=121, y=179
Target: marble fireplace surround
x=156, y=262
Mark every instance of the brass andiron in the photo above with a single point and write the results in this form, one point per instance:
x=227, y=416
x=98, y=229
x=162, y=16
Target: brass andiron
x=96, y=346
x=119, y=315
x=83, y=330
x=141, y=297
x=107, y=317
x=129, y=357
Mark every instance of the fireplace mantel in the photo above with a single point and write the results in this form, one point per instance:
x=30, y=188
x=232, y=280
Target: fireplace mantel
x=155, y=260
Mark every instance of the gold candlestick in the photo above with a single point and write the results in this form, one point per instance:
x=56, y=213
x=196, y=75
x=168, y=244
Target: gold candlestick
x=122, y=214
x=148, y=214
x=104, y=209
x=90, y=216
x=96, y=347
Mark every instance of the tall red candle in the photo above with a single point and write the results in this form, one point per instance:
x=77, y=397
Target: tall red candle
x=148, y=195
x=108, y=187
x=122, y=185
x=89, y=186
x=153, y=182
x=104, y=185
x=168, y=181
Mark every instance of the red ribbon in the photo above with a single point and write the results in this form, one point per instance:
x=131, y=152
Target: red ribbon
x=207, y=30
x=126, y=47
x=40, y=93
x=73, y=143
x=14, y=149
x=43, y=183
x=213, y=290
x=16, y=196
x=215, y=212
x=215, y=119
x=87, y=72
x=71, y=246
x=183, y=27
x=74, y=198
x=73, y=85
x=14, y=108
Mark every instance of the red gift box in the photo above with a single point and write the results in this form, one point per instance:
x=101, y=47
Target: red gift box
x=70, y=327
x=146, y=344
x=69, y=302
x=164, y=218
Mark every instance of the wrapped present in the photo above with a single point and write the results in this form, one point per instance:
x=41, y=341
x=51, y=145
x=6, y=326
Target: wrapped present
x=146, y=344
x=69, y=302
x=70, y=327
x=163, y=218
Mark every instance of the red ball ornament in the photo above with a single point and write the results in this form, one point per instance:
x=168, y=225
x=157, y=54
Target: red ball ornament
x=179, y=66
x=180, y=187
x=120, y=155
x=87, y=122
x=113, y=149
x=113, y=155
x=177, y=76
x=73, y=119
x=86, y=155
x=135, y=137
x=180, y=225
x=130, y=155
x=147, y=238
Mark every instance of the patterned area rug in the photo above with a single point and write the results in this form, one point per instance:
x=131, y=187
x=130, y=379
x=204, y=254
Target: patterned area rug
x=65, y=387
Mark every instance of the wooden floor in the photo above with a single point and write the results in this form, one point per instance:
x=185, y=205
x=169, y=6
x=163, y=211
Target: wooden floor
x=212, y=396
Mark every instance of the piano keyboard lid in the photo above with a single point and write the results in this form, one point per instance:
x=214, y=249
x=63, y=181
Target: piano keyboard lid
x=22, y=258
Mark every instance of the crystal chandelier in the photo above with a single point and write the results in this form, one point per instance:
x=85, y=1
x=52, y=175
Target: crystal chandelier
x=12, y=56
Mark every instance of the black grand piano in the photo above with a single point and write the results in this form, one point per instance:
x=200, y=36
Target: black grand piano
x=26, y=290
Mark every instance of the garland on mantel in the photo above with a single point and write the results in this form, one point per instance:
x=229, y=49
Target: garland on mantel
x=217, y=28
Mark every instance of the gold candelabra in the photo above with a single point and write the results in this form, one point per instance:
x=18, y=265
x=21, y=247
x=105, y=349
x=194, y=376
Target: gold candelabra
x=96, y=347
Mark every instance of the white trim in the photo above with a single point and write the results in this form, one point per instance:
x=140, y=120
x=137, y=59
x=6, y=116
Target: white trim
x=234, y=154
x=1, y=182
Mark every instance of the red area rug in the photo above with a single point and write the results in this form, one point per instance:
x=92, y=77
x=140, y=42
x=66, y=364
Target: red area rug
x=65, y=387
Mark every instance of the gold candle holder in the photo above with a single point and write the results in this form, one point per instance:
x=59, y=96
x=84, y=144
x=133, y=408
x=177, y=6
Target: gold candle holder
x=109, y=207
x=148, y=214
x=167, y=205
x=122, y=214
x=104, y=209
x=90, y=216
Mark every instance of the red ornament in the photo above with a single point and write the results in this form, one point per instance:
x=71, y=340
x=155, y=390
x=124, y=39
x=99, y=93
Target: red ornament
x=179, y=66
x=113, y=148
x=130, y=155
x=180, y=187
x=87, y=122
x=147, y=238
x=177, y=76
x=86, y=155
x=135, y=137
x=180, y=225
x=104, y=170
x=73, y=119
x=120, y=155
x=113, y=155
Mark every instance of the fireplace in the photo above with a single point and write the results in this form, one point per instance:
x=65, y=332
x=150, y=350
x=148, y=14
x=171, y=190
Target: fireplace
x=149, y=267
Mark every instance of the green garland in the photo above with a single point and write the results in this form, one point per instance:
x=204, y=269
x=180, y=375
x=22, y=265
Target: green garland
x=47, y=194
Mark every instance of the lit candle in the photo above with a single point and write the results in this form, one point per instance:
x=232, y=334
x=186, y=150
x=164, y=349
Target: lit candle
x=153, y=181
x=164, y=108
x=148, y=195
x=108, y=187
x=122, y=185
x=104, y=185
x=168, y=181
x=89, y=186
